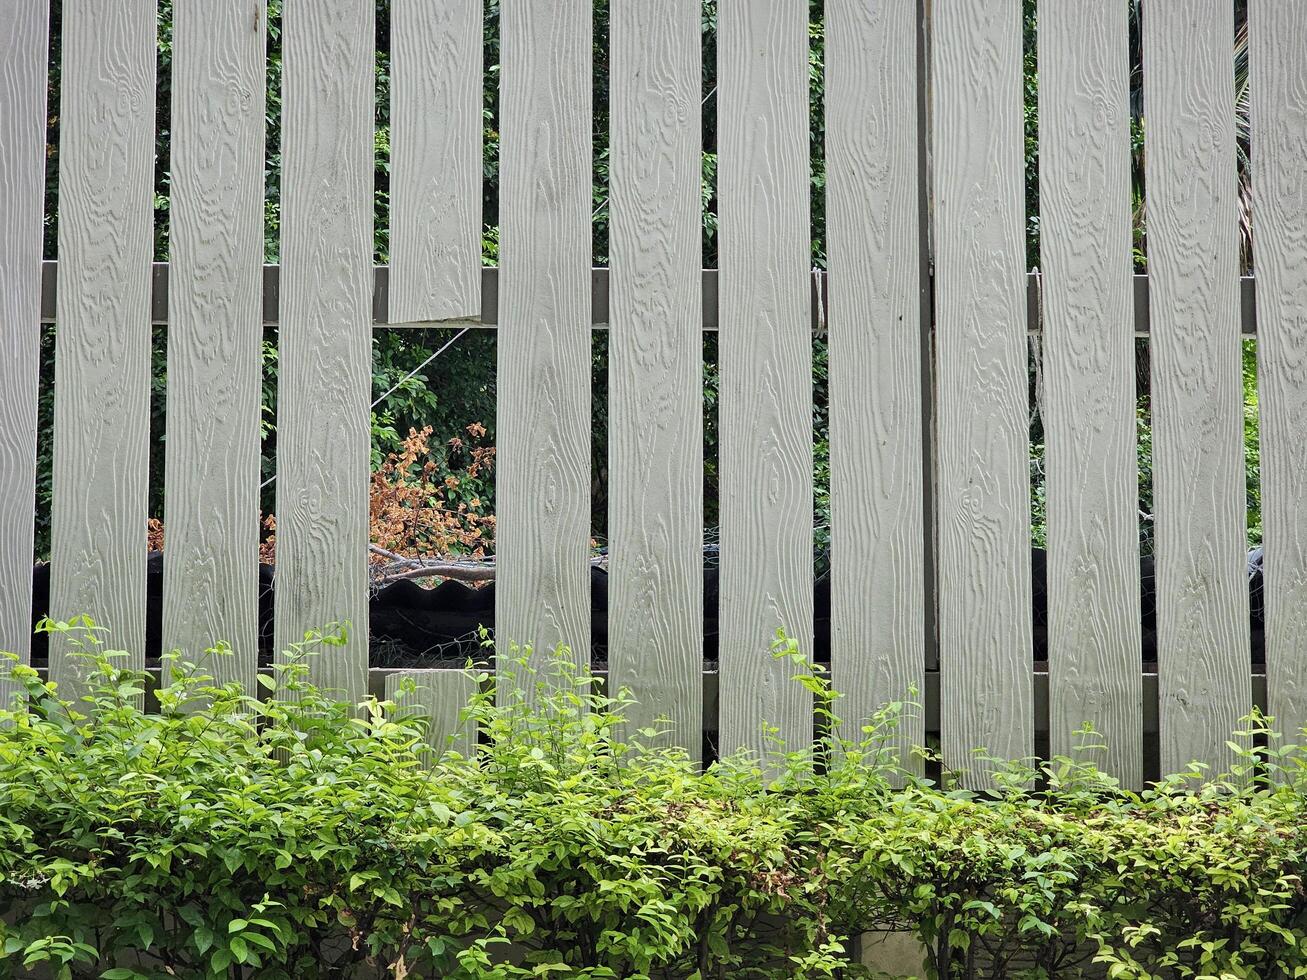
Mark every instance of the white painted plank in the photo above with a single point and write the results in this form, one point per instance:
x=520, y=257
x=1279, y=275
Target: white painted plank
x=1197, y=394
x=983, y=492
x=765, y=401
x=102, y=351
x=215, y=337
x=873, y=242
x=1278, y=62
x=542, y=466
x=655, y=400
x=435, y=159
x=439, y=696
x=23, y=47
x=1089, y=390
x=325, y=355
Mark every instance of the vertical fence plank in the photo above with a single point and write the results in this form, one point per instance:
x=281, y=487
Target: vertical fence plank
x=656, y=366
x=215, y=335
x=439, y=696
x=986, y=682
x=1202, y=589
x=325, y=357
x=765, y=407
x=542, y=482
x=1278, y=62
x=873, y=242
x=102, y=365
x=23, y=46
x=435, y=172
x=1088, y=318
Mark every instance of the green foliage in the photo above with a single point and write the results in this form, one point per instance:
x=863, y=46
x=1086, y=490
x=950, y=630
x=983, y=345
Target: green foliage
x=223, y=835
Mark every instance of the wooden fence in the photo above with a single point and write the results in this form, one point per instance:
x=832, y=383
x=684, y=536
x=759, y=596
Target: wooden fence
x=928, y=346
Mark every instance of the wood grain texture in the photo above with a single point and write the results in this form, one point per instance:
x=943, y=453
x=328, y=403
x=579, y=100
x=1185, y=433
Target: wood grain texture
x=983, y=490
x=440, y=697
x=325, y=357
x=1278, y=62
x=655, y=413
x=873, y=240
x=435, y=159
x=1198, y=466
x=23, y=47
x=765, y=399
x=1089, y=389
x=215, y=336
x=102, y=354
x=542, y=466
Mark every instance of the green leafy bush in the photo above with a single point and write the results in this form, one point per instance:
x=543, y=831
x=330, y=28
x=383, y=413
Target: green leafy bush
x=224, y=835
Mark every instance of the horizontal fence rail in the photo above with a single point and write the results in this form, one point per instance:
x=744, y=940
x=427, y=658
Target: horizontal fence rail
x=488, y=318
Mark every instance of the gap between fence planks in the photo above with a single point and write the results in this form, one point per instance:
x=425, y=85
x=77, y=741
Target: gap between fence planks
x=542, y=463
x=873, y=241
x=215, y=336
x=325, y=356
x=655, y=399
x=765, y=399
x=102, y=362
x=1197, y=392
x=1089, y=405
x=436, y=163
x=23, y=45
x=1278, y=61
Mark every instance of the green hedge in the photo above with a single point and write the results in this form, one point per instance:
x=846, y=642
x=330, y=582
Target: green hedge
x=220, y=835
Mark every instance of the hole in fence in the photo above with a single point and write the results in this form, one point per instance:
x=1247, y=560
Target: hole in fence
x=432, y=492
